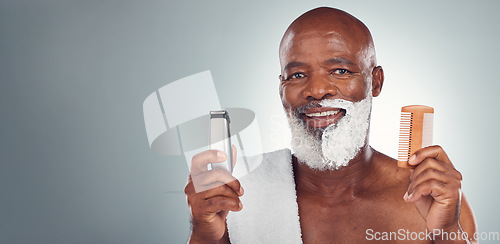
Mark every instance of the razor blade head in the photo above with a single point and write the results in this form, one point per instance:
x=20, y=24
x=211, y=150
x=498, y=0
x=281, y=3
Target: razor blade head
x=220, y=114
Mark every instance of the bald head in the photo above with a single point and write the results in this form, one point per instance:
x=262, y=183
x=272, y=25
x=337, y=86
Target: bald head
x=343, y=29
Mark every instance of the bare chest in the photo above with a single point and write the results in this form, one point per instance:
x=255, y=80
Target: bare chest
x=361, y=221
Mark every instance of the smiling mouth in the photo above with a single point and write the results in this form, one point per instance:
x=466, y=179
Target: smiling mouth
x=322, y=117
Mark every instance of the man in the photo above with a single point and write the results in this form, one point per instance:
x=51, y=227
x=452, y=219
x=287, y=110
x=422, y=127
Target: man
x=335, y=188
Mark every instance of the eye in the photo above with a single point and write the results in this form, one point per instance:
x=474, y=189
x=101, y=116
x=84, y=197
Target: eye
x=340, y=72
x=296, y=76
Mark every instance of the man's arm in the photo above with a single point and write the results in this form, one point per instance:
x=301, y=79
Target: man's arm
x=225, y=237
x=467, y=219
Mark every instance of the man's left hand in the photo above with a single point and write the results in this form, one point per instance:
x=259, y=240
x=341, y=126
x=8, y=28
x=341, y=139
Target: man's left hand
x=435, y=189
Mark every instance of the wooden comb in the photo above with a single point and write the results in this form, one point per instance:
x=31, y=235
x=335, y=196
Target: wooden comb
x=415, y=131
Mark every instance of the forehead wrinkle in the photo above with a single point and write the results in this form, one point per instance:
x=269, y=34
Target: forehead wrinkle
x=349, y=31
x=297, y=44
x=339, y=60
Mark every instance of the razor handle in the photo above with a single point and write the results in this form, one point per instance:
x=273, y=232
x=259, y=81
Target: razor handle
x=220, y=138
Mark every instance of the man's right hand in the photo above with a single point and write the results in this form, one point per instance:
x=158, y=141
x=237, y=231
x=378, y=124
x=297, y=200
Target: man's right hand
x=210, y=196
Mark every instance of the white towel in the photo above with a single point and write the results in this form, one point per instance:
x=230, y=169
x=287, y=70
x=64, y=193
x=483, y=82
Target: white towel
x=270, y=210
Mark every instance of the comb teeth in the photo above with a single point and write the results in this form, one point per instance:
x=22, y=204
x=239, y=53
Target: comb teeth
x=405, y=127
x=415, y=131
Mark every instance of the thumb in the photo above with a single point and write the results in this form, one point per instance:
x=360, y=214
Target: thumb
x=234, y=155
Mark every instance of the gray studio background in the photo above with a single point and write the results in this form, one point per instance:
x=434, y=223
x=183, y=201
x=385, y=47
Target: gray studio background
x=75, y=162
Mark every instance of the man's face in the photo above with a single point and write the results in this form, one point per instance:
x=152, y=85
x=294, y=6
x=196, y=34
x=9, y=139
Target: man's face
x=316, y=68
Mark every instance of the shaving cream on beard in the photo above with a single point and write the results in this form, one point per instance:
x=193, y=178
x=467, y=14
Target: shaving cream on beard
x=340, y=142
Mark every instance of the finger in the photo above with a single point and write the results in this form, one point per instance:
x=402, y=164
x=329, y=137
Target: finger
x=189, y=188
x=200, y=161
x=213, y=185
x=234, y=155
x=438, y=190
x=236, y=187
x=214, y=178
x=219, y=203
x=435, y=152
x=426, y=175
x=430, y=163
x=221, y=191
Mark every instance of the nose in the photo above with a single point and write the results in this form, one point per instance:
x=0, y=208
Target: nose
x=318, y=89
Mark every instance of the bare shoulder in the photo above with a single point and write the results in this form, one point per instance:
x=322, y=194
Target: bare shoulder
x=381, y=204
x=390, y=186
x=393, y=179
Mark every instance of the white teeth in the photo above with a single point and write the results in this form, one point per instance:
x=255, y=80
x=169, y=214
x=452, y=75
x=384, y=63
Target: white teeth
x=326, y=113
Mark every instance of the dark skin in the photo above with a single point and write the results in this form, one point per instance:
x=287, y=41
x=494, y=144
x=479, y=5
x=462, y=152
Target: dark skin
x=322, y=60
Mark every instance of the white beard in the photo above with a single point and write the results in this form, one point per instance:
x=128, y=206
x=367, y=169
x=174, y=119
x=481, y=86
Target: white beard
x=339, y=143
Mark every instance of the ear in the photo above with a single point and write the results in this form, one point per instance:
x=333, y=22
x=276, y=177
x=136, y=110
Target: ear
x=377, y=80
